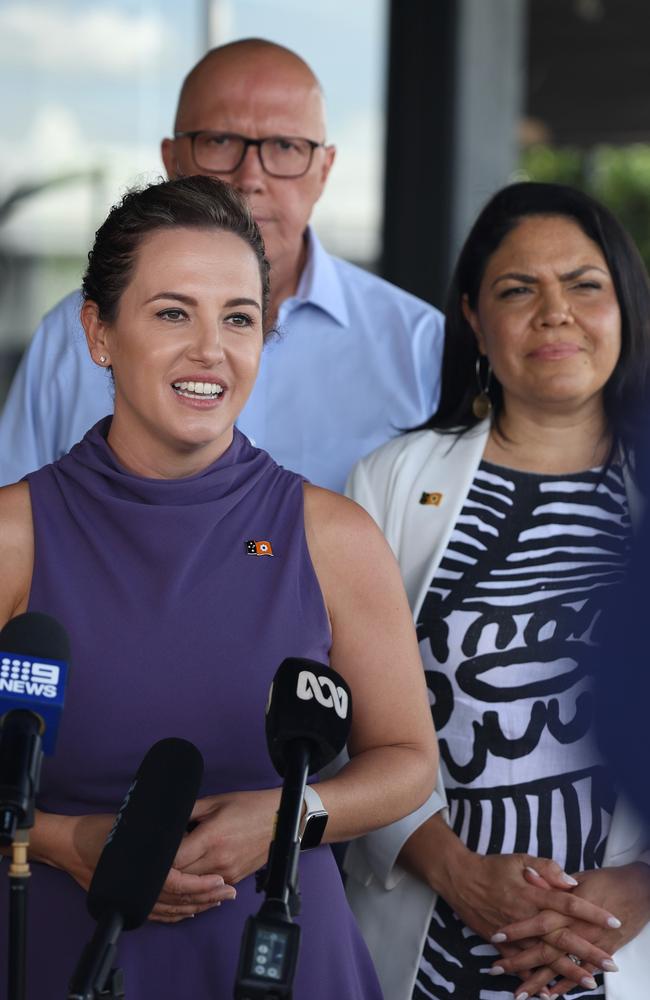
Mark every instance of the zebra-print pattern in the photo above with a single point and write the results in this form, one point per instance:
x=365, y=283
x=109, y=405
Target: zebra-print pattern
x=514, y=601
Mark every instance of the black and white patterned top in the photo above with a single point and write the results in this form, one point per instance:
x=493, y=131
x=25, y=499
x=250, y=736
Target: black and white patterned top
x=516, y=598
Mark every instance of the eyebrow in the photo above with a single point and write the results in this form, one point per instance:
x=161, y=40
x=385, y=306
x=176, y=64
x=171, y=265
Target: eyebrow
x=190, y=301
x=530, y=280
x=241, y=302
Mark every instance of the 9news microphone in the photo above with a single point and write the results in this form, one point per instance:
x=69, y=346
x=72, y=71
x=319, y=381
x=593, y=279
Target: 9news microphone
x=34, y=654
x=138, y=855
x=308, y=718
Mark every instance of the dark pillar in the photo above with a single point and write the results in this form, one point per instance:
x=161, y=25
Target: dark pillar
x=454, y=97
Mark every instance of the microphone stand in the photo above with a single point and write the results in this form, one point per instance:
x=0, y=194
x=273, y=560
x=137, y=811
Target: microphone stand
x=269, y=950
x=95, y=977
x=18, y=874
x=21, y=756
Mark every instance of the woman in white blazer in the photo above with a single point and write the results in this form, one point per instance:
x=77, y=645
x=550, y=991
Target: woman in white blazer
x=510, y=514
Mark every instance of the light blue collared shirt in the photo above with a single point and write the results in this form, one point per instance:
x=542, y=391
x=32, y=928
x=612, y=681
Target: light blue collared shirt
x=355, y=361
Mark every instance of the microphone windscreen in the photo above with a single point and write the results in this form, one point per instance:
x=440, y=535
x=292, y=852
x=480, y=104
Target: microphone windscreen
x=307, y=701
x=35, y=634
x=34, y=666
x=147, y=833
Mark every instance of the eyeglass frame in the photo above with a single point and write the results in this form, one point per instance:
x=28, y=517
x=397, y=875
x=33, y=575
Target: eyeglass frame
x=313, y=145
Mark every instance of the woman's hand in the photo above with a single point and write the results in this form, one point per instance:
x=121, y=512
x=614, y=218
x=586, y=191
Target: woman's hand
x=74, y=843
x=625, y=889
x=70, y=843
x=481, y=889
x=186, y=895
x=232, y=835
x=486, y=887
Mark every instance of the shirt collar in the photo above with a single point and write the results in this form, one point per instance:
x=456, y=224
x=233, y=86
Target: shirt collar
x=320, y=284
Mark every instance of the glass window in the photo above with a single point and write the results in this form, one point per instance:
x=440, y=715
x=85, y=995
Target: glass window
x=93, y=89
x=345, y=44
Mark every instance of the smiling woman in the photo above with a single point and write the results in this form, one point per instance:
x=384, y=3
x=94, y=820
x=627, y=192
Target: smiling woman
x=545, y=383
x=160, y=515
x=175, y=302
x=184, y=347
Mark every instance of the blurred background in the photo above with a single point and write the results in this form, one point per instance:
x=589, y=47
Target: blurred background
x=433, y=104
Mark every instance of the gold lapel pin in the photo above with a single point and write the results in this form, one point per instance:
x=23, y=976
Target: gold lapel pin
x=431, y=499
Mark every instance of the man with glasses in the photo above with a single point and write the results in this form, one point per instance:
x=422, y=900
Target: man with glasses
x=354, y=360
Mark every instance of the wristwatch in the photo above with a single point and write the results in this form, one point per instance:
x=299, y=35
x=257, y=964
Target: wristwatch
x=314, y=820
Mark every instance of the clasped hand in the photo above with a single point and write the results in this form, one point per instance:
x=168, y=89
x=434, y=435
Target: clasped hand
x=546, y=940
x=229, y=840
x=497, y=895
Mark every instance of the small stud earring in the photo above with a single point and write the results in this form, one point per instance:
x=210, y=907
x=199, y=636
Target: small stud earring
x=103, y=359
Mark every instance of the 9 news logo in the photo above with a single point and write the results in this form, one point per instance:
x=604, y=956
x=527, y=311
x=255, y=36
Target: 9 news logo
x=324, y=690
x=27, y=677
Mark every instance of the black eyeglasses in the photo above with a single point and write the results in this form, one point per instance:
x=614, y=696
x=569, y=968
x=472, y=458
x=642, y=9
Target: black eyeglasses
x=223, y=152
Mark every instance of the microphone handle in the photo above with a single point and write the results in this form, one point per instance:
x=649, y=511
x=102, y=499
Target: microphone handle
x=17, y=959
x=21, y=755
x=97, y=958
x=285, y=847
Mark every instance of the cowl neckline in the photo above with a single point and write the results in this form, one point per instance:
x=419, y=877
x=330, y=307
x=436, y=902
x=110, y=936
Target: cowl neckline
x=93, y=464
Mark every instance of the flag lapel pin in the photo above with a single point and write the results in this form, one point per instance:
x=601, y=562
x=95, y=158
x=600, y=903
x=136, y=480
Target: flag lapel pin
x=254, y=548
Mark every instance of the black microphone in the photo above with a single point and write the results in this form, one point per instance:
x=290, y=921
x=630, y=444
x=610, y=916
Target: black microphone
x=308, y=718
x=311, y=702
x=138, y=855
x=34, y=655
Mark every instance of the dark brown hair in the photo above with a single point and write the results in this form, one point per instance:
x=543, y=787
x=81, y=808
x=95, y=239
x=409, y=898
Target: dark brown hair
x=191, y=202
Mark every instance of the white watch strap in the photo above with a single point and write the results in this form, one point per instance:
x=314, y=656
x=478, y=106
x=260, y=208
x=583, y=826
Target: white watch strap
x=312, y=801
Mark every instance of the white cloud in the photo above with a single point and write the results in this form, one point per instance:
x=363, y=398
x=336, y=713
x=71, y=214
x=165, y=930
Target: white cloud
x=98, y=39
x=62, y=218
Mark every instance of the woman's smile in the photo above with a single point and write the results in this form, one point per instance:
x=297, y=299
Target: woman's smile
x=199, y=391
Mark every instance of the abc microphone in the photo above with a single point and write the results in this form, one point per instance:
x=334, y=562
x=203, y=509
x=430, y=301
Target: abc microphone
x=137, y=856
x=34, y=650
x=308, y=718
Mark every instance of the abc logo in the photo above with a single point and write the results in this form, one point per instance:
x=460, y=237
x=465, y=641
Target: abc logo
x=324, y=691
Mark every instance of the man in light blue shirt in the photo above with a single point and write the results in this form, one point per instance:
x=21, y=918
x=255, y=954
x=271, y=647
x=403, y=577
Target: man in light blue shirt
x=354, y=360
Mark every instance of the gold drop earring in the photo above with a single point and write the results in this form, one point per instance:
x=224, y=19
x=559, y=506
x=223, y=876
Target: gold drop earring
x=482, y=404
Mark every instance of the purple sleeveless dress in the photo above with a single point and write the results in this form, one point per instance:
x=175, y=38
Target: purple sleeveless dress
x=176, y=630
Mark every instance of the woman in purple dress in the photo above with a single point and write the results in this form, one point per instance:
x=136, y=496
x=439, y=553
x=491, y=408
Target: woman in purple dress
x=141, y=541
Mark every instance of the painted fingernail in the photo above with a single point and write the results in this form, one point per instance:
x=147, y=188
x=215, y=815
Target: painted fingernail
x=521, y=996
x=536, y=874
x=609, y=965
x=498, y=938
x=614, y=922
x=569, y=879
x=588, y=982
x=544, y=996
x=496, y=970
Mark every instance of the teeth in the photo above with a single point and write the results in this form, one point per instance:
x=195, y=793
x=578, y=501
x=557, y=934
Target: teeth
x=198, y=388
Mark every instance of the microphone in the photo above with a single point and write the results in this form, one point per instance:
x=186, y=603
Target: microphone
x=138, y=855
x=308, y=718
x=307, y=701
x=34, y=650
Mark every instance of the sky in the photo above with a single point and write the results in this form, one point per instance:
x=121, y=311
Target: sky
x=93, y=87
